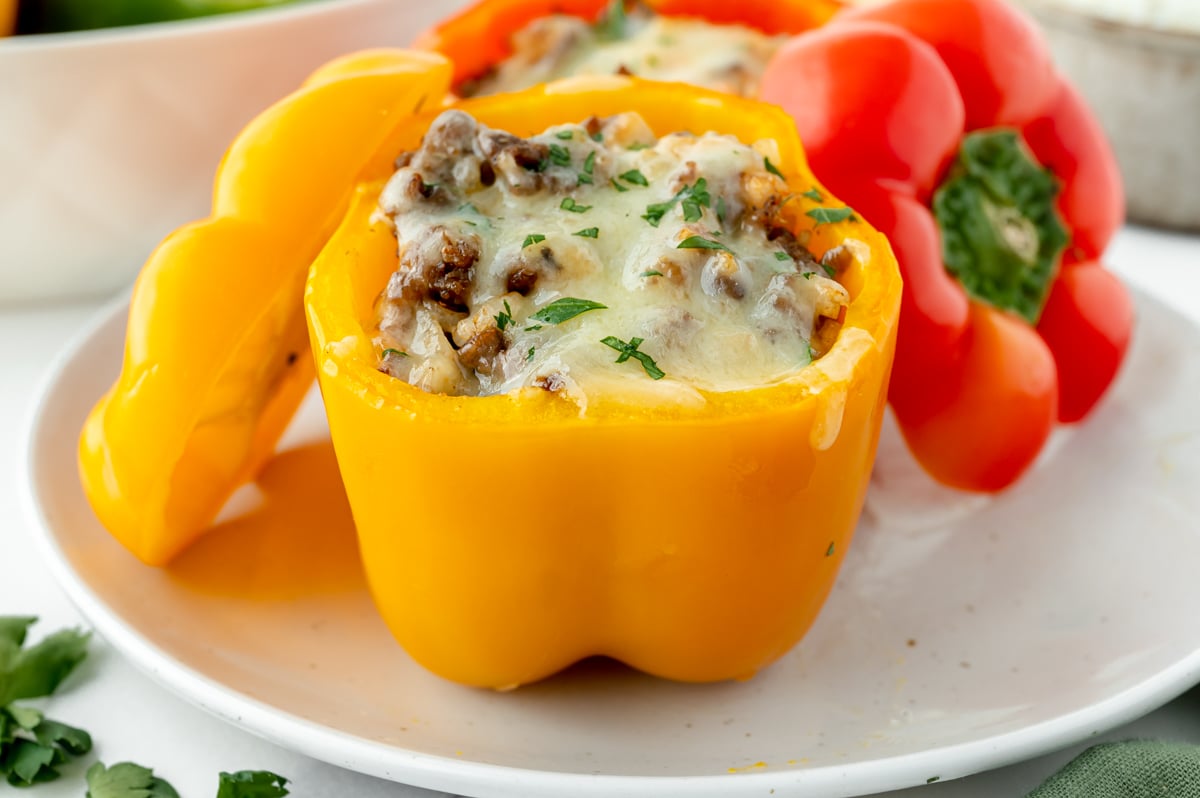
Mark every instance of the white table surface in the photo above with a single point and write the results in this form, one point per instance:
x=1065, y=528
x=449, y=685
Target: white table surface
x=132, y=718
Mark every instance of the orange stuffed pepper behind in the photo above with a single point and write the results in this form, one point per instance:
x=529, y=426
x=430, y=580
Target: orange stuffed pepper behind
x=693, y=542
x=480, y=37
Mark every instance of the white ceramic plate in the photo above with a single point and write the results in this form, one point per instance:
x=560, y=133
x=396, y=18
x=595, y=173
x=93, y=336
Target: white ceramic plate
x=963, y=635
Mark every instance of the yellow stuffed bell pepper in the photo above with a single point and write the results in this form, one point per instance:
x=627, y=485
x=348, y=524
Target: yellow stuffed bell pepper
x=216, y=354
x=697, y=544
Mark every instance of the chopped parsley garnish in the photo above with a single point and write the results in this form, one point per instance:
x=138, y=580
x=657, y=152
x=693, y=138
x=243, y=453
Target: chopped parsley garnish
x=389, y=352
x=830, y=215
x=588, y=232
x=569, y=204
x=617, y=185
x=630, y=350
x=567, y=307
x=560, y=155
x=533, y=238
x=812, y=194
x=652, y=273
x=533, y=327
x=637, y=145
x=693, y=197
x=636, y=177
x=504, y=318
x=782, y=256
x=771, y=167
x=597, y=136
x=829, y=269
x=589, y=164
x=468, y=207
x=529, y=354
x=829, y=551
x=612, y=23
x=699, y=242
x=565, y=135
x=807, y=275
x=721, y=210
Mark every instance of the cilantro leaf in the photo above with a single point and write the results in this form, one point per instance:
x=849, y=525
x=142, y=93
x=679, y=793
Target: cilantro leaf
x=251, y=784
x=533, y=238
x=75, y=742
x=566, y=308
x=569, y=204
x=830, y=215
x=126, y=780
x=504, y=318
x=812, y=194
x=699, y=242
x=617, y=185
x=26, y=762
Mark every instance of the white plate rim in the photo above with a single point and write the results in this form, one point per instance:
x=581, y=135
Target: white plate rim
x=484, y=780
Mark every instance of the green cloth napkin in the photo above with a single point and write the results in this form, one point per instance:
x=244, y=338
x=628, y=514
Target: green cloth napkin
x=1132, y=769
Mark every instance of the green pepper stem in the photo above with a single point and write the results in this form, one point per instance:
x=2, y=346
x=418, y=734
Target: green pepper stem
x=1002, y=237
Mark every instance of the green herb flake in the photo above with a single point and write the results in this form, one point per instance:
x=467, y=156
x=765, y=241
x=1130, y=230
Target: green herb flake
x=636, y=177
x=529, y=354
x=771, y=168
x=504, y=318
x=807, y=275
x=390, y=352
x=829, y=551
x=566, y=308
x=560, y=155
x=652, y=274
x=812, y=194
x=656, y=211
x=611, y=26
x=589, y=163
x=533, y=238
x=597, y=136
x=617, y=185
x=588, y=232
x=630, y=350
x=251, y=784
x=830, y=215
x=829, y=270
x=533, y=328
x=721, y=210
x=699, y=242
x=932, y=779
x=781, y=256
x=637, y=145
x=565, y=135
x=583, y=179
x=569, y=204
x=691, y=210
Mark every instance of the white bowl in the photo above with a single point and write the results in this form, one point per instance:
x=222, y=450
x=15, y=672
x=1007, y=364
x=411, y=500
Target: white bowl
x=109, y=139
x=1144, y=85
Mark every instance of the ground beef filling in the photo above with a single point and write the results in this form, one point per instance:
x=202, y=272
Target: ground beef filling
x=596, y=257
x=726, y=58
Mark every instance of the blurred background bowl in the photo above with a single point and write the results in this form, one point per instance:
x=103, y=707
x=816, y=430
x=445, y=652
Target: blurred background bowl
x=1138, y=64
x=109, y=139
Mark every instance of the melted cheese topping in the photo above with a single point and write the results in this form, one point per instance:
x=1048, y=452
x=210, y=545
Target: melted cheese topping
x=727, y=58
x=678, y=239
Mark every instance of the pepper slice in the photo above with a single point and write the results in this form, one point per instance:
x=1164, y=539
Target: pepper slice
x=479, y=37
x=506, y=537
x=216, y=358
x=945, y=124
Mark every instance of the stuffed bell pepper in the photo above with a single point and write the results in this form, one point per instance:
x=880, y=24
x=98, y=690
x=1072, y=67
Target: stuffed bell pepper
x=504, y=45
x=604, y=369
x=604, y=366
x=946, y=125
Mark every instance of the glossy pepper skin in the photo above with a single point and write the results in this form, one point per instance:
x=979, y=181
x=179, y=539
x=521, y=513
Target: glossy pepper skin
x=506, y=537
x=479, y=36
x=884, y=97
x=216, y=354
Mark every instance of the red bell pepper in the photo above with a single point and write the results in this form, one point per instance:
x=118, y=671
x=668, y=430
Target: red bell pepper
x=479, y=36
x=946, y=125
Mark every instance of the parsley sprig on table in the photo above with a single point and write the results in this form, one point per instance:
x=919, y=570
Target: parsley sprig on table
x=33, y=747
